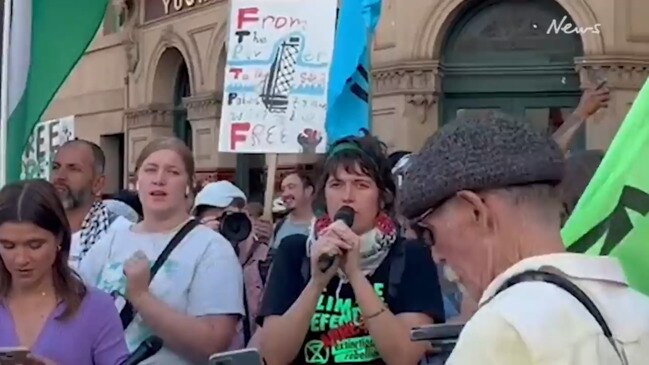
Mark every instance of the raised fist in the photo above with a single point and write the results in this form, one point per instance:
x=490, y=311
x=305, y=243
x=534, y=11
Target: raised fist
x=309, y=139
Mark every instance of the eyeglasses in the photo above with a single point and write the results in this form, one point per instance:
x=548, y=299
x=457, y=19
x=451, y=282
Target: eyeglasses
x=422, y=230
x=424, y=235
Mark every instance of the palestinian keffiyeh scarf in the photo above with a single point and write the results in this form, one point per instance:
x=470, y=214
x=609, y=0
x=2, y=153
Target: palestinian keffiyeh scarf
x=375, y=244
x=94, y=225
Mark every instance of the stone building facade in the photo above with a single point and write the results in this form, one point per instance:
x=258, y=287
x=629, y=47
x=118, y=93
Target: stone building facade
x=156, y=69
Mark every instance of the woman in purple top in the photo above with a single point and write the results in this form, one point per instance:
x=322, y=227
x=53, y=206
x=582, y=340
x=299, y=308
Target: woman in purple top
x=44, y=305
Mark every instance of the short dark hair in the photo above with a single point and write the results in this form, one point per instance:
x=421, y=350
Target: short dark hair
x=305, y=177
x=238, y=202
x=369, y=154
x=37, y=202
x=98, y=157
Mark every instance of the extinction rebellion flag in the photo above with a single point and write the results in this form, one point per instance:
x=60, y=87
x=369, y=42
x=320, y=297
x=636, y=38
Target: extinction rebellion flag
x=349, y=92
x=611, y=216
x=46, y=40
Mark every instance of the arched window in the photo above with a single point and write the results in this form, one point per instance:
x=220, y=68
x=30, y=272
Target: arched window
x=182, y=127
x=506, y=55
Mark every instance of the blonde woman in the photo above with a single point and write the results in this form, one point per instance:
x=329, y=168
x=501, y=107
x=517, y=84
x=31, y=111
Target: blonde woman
x=195, y=300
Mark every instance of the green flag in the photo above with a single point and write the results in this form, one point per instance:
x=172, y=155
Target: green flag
x=46, y=40
x=611, y=216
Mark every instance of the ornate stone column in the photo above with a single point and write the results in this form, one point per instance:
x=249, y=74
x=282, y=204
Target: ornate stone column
x=405, y=94
x=625, y=75
x=144, y=124
x=204, y=114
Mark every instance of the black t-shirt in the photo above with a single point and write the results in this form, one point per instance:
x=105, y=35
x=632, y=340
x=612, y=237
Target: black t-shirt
x=335, y=335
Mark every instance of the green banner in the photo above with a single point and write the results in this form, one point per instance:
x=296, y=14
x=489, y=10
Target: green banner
x=611, y=216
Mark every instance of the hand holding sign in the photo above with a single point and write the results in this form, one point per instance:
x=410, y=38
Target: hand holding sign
x=309, y=139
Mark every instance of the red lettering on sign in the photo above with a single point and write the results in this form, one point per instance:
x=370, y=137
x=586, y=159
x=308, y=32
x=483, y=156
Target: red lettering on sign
x=237, y=72
x=238, y=133
x=247, y=15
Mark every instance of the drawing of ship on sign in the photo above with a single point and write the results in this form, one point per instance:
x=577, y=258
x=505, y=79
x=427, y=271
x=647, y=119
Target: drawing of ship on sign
x=279, y=82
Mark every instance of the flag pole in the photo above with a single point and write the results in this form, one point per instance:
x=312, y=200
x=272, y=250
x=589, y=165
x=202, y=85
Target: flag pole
x=4, y=88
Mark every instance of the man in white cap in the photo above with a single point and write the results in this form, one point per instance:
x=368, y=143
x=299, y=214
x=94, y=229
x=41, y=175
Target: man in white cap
x=210, y=205
x=215, y=199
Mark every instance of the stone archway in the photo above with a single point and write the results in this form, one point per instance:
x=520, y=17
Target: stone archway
x=504, y=55
x=165, y=78
x=171, y=84
x=432, y=33
x=220, y=69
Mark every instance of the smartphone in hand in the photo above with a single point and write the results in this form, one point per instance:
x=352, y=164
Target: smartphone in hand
x=238, y=357
x=14, y=355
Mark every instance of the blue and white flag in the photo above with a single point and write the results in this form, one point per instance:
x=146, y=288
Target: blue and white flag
x=349, y=86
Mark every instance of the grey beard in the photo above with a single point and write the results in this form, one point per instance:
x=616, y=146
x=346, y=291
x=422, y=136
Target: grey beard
x=71, y=201
x=68, y=203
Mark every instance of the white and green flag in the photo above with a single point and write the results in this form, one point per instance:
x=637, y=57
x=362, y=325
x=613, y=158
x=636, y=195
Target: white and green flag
x=44, y=41
x=42, y=144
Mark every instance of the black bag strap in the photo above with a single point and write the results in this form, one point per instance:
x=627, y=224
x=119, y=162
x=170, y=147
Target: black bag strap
x=247, y=331
x=572, y=289
x=278, y=226
x=127, y=314
x=397, y=266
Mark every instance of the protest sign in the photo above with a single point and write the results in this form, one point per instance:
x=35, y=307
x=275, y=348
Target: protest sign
x=611, y=216
x=45, y=140
x=276, y=76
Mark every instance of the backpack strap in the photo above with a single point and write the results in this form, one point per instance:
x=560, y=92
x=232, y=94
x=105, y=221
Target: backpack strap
x=278, y=226
x=247, y=331
x=564, y=283
x=397, y=266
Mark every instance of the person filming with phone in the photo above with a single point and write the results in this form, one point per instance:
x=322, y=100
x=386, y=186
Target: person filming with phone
x=351, y=290
x=494, y=211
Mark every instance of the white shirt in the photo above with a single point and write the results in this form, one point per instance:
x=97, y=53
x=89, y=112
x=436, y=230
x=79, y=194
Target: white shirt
x=202, y=276
x=541, y=324
x=75, y=247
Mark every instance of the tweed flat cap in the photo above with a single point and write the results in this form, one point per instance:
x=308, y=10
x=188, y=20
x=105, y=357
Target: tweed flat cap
x=486, y=152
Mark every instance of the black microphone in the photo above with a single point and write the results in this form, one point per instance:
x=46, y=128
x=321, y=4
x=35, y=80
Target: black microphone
x=148, y=348
x=346, y=215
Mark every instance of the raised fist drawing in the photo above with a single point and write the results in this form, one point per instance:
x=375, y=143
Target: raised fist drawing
x=309, y=139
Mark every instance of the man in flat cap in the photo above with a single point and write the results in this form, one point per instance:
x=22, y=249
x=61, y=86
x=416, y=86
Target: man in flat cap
x=485, y=189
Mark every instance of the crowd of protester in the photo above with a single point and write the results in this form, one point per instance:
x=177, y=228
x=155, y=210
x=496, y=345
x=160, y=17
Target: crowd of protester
x=467, y=228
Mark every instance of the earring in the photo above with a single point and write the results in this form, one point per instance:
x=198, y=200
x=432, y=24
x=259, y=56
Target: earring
x=187, y=191
x=137, y=186
x=58, y=248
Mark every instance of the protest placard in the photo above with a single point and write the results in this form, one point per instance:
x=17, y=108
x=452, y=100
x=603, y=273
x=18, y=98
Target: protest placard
x=45, y=140
x=276, y=76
